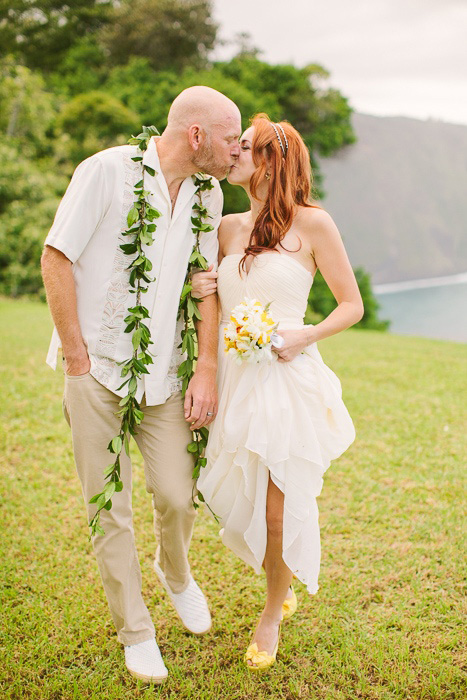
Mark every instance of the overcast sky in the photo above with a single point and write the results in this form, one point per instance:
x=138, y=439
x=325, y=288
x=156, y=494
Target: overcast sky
x=389, y=57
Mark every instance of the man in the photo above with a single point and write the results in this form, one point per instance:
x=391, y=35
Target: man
x=86, y=279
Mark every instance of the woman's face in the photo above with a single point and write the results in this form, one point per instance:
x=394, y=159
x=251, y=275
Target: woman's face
x=241, y=172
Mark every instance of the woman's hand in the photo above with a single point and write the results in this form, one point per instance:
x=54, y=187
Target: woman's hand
x=204, y=283
x=294, y=343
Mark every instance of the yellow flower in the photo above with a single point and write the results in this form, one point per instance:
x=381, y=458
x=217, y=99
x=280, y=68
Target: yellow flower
x=249, y=332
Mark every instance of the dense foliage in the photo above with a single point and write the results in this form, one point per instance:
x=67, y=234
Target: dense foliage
x=79, y=77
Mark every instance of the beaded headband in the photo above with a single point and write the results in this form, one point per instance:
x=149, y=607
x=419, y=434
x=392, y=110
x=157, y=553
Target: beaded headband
x=285, y=137
x=283, y=149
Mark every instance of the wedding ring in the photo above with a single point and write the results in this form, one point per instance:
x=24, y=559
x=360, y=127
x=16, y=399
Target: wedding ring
x=209, y=414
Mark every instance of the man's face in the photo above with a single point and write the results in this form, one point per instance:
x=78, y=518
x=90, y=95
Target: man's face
x=220, y=149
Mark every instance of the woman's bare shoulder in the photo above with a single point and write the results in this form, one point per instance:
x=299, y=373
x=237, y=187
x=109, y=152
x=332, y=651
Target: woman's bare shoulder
x=317, y=226
x=231, y=225
x=316, y=218
x=233, y=220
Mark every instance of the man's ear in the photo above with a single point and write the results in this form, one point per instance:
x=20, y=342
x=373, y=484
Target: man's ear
x=195, y=136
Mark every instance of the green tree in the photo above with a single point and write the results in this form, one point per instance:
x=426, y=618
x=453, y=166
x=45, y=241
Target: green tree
x=28, y=109
x=370, y=316
x=84, y=68
x=41, y=33
x=28, y=200
x=144, y=90
x=150, y=92
x=91, y=122
x=171, y=34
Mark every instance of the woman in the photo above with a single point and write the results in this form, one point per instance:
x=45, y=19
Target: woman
x=280, y=422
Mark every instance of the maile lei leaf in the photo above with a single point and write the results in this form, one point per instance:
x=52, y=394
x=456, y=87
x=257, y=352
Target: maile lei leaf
x=140, y=232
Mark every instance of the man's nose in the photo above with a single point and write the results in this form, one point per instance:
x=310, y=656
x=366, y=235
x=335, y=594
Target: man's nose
x=236, y=150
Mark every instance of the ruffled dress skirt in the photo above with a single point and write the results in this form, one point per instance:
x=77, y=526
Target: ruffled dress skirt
x=286, y=421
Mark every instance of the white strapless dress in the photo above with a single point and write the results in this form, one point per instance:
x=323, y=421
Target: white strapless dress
x=286, y=420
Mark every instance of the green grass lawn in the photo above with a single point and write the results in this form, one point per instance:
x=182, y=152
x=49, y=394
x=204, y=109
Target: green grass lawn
x=386, y=622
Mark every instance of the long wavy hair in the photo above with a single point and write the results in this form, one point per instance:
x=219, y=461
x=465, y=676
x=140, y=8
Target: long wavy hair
x=289, y=186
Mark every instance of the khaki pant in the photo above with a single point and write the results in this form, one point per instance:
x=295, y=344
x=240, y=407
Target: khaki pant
x=162, y=438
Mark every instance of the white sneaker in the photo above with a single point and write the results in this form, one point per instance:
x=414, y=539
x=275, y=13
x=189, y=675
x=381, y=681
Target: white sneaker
x=191, y=605
x=144, y=661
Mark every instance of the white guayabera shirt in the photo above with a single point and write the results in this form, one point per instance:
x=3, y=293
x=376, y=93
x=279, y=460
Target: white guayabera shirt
x=87, y=229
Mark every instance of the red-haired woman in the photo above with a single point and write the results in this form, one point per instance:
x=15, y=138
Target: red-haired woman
x=279, y=424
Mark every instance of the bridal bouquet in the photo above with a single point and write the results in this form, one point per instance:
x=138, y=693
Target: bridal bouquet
x=249, y=335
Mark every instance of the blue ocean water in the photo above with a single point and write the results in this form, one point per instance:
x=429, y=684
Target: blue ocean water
x=438, y=311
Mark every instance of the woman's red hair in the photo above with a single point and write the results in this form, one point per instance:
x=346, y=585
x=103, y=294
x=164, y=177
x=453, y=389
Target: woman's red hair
x=289, y=186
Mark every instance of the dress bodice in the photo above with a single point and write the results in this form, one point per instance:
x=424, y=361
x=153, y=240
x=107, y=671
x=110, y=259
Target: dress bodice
x=273, y=277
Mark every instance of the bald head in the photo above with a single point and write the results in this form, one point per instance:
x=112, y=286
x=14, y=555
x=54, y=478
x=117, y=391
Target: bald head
x=203, y=132
x=201, y=105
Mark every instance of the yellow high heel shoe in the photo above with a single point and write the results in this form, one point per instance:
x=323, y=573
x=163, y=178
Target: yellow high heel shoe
x=289, y=606
x=260, y=660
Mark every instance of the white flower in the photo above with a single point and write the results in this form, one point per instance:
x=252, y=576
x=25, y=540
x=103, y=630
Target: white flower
x=247, y=336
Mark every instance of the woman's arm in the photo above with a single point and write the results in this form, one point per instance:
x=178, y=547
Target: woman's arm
x=201, y=394
x=320, y=233
x=205, y=283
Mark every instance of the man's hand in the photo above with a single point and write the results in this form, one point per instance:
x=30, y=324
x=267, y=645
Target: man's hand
x=204, y=283
x=201, y=398
x=294, y=343
x=77, y=364
x=61, y=296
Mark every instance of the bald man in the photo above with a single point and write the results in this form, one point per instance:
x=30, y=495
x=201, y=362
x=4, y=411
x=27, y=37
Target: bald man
x=86, y=278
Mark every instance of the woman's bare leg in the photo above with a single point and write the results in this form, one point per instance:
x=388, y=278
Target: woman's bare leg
x=278, y=575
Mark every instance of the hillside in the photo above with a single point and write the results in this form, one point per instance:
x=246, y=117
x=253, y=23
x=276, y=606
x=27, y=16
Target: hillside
x=399, y=197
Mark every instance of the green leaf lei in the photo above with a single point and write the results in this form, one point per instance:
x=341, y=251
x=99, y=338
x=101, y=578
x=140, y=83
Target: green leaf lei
x=141, y=227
